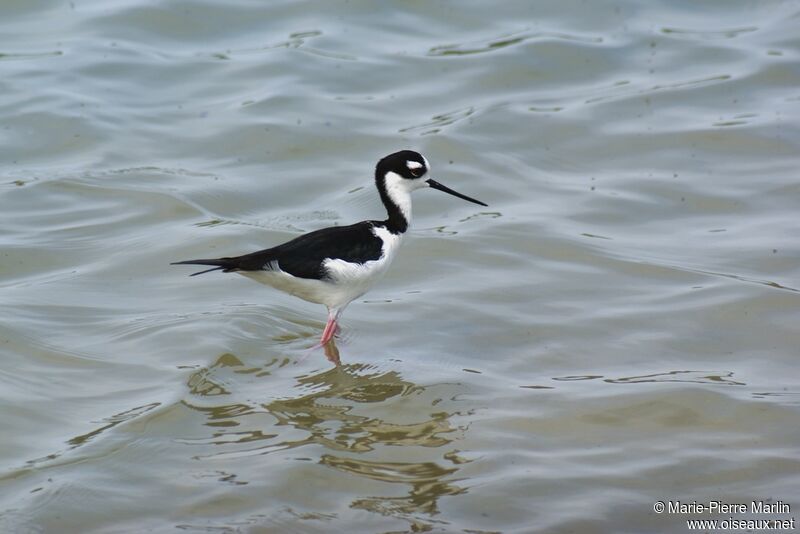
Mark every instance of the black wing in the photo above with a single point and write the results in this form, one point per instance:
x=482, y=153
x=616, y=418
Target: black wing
x=303, y=256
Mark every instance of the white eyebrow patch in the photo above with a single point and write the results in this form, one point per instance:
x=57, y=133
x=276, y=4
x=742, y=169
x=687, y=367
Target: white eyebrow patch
x=412, y=165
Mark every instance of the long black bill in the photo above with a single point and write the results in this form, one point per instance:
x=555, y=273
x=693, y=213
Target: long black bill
x=436, y=185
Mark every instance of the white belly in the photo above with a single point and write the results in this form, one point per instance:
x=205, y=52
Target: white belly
x=346, y=282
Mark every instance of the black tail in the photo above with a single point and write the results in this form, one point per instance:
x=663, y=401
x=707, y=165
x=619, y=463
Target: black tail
x=225, y=265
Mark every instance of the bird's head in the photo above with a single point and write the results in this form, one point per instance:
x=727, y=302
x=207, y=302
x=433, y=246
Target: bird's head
x=402, y=172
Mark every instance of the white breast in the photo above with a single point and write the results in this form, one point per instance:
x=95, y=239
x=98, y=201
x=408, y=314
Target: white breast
x=354, y=279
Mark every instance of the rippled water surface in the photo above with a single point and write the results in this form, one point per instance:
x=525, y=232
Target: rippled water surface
x=619, y=327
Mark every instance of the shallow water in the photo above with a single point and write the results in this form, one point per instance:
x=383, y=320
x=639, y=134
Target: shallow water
x=619, y=327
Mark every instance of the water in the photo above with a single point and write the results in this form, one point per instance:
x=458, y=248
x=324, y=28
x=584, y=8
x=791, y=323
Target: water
x=619, y=327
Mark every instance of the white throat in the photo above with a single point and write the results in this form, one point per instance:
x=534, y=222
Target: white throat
x=398, y=189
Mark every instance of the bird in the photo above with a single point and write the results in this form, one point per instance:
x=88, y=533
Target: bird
x=338, y=264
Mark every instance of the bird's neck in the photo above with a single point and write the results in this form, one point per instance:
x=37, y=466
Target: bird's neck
x=397, y=201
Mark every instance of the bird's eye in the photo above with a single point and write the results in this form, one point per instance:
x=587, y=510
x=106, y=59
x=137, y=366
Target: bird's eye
x=415, y=168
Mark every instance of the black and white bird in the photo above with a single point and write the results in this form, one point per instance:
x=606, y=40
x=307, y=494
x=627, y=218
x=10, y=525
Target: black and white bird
x=336, y=265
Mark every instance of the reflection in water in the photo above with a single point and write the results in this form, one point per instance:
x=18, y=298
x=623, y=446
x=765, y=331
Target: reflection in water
x=693, y=377
x=503, y=41
x=696, y=377
x=339, y=409
x=710, y=34
x=425, y=478
x=108, y=424
x=222, y=476
x=438, y=121
x=74, y=445
x=332, y=353
x=730, y=276
x=111, y=422
x=789, y=394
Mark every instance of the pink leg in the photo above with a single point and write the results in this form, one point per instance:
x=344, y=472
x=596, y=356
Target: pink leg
x=327, y=334
x=330, y=327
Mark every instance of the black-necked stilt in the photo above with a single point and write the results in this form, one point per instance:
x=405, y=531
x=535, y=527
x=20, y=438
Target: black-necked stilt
x=335, y=265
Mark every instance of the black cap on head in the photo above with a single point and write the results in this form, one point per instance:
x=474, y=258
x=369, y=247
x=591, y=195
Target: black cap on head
x=406, y=163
